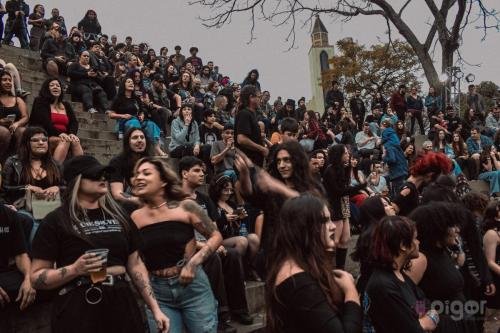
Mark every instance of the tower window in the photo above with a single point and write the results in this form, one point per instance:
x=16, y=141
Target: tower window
x=323, y=60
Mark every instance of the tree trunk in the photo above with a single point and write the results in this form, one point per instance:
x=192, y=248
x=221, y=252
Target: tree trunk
x=446, y=63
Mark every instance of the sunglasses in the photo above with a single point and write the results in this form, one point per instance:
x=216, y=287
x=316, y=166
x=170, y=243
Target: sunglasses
x=98, y=177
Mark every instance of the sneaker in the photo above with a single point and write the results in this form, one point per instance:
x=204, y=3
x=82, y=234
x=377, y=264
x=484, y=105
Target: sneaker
x=120, y=136
x=243, y=318
x=22, y=93
x=224, y=327
x=92, y=110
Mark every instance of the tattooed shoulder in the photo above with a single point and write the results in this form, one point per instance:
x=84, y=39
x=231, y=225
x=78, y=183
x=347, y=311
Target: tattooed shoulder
x=202, y=221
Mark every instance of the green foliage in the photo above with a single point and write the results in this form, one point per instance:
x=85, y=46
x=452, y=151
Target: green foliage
x=490, y=92
x=380, y=67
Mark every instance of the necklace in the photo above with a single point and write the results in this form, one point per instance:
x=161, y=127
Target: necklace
x=159, y=206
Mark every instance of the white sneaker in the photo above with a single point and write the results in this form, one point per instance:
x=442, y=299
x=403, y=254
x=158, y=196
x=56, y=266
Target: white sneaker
x=92, y=110
x=120, y=136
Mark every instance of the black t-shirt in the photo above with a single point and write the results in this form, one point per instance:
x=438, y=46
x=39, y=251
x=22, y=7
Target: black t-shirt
x=409, y=202
x=208, y=205
x=453, y=123
x=12, y=241
x=122, y=172
x=246, y=124
x=125, y=106
x=209, y=135
x=53, y=242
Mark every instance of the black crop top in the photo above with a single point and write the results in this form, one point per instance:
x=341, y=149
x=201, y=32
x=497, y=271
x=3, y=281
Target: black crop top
x=164, y=243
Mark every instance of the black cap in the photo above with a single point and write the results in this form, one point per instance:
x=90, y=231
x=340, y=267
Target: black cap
x=159, y=78
x=177, y=47
x=88, y=166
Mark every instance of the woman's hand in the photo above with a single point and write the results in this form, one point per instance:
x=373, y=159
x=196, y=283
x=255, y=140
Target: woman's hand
x=74, y=138
x=35, y=189
x=51, y=192
x=126, y=116
x=346, y=283
x=13, y=127
x=187, y=274
x=64, y=137
x=26, y=294
x=187, y=119
x=87, y=263
x=162, y=321
x=196, y=150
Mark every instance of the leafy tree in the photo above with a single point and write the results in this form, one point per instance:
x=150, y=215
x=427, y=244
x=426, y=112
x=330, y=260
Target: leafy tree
x=490, y=92
x=376, y=68
x=449, y=19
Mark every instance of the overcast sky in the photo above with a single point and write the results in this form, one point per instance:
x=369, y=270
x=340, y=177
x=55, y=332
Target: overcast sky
x=172, y=22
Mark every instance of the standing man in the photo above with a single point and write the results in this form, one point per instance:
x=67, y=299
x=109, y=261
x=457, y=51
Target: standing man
x=2, y=13
x=475, y=101
x=301, y=110
x=18, y=11
x=247, y=130
x=59, y=20
x=358, y=109
x=334, y=97
x=194, y=59
x=177, y=58
x=398, y=102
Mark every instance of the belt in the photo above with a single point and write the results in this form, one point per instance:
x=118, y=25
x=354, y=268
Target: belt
x=170, y=272
x=86, y=281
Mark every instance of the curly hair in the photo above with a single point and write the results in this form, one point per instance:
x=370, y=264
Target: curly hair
x=218, y=184
x=475, y=201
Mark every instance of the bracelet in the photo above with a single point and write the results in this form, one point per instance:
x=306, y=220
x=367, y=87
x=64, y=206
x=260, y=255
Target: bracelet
x=433, y=316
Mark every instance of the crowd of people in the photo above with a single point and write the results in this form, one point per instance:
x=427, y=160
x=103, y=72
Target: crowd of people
x=284, y=190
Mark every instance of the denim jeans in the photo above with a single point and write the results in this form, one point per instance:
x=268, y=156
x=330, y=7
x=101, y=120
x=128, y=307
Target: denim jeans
x=192, y=306
x=493, y=178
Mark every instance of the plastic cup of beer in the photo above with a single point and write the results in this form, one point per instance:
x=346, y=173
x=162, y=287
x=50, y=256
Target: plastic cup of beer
x=99, y=275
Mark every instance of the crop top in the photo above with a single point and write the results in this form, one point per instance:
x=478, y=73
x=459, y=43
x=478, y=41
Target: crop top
x=7, y=110
x=164, y=243
x=60, y=121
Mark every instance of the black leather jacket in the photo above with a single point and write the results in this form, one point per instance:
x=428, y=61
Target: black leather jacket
x=12, y=189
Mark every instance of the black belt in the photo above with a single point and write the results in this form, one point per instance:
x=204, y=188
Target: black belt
x=94, y=287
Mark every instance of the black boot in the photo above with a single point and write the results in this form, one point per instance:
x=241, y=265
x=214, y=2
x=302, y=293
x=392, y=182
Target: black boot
x=340, y=257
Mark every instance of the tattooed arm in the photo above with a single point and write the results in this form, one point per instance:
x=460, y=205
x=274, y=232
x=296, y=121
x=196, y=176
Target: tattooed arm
x=44, y=276
x=139, y=275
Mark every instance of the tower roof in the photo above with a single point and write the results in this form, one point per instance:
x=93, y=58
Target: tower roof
x=318, y=26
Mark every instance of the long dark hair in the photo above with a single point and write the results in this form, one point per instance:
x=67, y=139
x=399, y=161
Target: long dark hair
x=246, y=93
x=300, y=241
x=490, y=215
x=3, y=72
x=458, y=147
x=45, y=95
x=86, y=19
x=173, y=190
x=217, y=185
x=301, y=177
x=25, y=156
x=335, y=164
x=130, y=157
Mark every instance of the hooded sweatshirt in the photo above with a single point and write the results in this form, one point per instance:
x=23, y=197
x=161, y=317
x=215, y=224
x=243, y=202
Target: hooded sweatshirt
x=394, y=156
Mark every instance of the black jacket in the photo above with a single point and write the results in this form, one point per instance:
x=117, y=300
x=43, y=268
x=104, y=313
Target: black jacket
x=51, y=48
x=333, y=96
x=40, y=116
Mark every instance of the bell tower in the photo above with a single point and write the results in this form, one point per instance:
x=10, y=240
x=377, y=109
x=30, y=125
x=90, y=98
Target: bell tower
x=319, y=54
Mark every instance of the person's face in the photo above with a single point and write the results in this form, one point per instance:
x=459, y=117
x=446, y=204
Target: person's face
x=456, y=137
x=451, y=112
x=335, y=86
x=328, y=230
x=427, y=147
x=409, y=150
x=414, y=91
x=189, y=67
x=177, y=51
x=6, y=82
x=253, y=76
x=496, y=113
x=55, y=88
x=187, y=112
x=137, y=142
x=289, y=136
x=170, y=69
x=84, y=58
x=442, y=135
x=388, y=208
x=377, y=167
x=186, y=77
x=400, y=125
x=55, y=12
x=284, y=164
x=452, y=236
x=128, y=41
x=194, y=176
x=345, y=157
x=39, y=144
x=197, y=84
x=129, y=84
x=215, y=88
x=306, y=115
x=227, y=135
x=147, y=181
x=92, y=15
x=91, y=187
x=475, y=134
x=136, y=49
x=227, y=192
x=76, y=38
x=431, y=90
x=321, y=159
x=114, y=39
x=96, y=48
x=210, y=119
x=137, y=77
x=104, y=40
x=472, y=89
x=266, y=97
x=357, y=93
x=314, y=165
x=210, y=65
x=133, y=61
x=206, y=71
x=402, y=91
x=354, y=162
x=289, y=108
x=389, y=111
x=366, y=128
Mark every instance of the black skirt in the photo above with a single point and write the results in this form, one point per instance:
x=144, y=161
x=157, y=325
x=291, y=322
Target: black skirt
x=117, y=312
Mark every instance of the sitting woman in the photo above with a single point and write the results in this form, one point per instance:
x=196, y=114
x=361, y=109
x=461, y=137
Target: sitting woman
x=234, y=223
x=17, y=89
x=13, y=114
x=125, y=109
x=305, y=293
x=459, y=149
x=136, y=145
x=490, y=169
x=186, y=136
x=57, y=118
x=439, y=145
x=313, y=136
x=358, y=179
x=32, y=169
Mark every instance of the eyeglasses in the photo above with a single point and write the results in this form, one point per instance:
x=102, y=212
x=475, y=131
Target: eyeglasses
x=228, y=191
x=35, y=140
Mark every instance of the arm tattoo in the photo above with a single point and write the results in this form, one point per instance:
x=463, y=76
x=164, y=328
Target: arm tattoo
x=41, y=280
x=205, y=226
x=63, y=271
x=143, y=285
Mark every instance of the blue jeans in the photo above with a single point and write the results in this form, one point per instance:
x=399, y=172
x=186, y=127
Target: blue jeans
x=21, y=33
x=493, y=178
x=193, y=306
x=151, y=129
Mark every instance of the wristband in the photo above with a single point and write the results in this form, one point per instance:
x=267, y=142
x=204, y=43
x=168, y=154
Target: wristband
x=433, y=315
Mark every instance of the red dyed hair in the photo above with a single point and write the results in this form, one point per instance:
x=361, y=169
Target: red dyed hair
x=438, y=163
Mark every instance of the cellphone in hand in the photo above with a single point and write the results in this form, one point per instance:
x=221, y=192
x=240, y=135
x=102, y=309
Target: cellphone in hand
x=11, y=117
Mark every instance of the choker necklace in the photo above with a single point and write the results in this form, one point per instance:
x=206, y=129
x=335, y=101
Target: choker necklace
x=159, y=206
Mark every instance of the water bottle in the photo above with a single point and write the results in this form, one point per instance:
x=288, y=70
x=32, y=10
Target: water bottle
x=243, y=229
